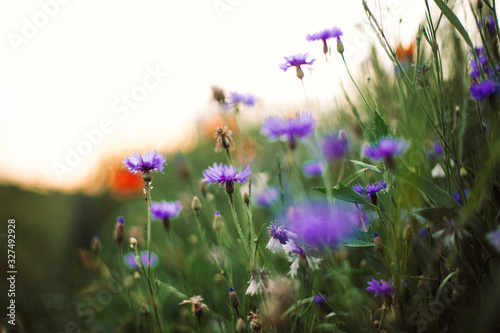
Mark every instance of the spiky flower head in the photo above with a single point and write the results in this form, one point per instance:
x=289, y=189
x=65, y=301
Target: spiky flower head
x=380, y=287
x=279, y=236
x=224, y=137
x=145, y=163
x=324, y=35
x=299, y=258
x=259, y=281
x=226, y=175
x=289, y=129
x=198, y=306
x=297, y=60
x=255, y=322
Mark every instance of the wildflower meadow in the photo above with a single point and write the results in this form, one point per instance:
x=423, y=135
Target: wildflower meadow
x=380, y=213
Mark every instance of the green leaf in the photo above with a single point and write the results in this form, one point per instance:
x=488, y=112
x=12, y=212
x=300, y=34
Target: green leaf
x=380, y=126
x=431, y=189
x=454, y=21
x=344, y=193
x=359, y=243
x=379, y=265
x=369, y=166
x=354, y=176
x=434, y=215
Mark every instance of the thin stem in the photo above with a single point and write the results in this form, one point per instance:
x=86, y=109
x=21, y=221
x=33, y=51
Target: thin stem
x=238, y=227
x=352, y=79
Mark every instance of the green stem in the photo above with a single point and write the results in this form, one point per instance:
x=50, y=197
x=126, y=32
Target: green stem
x=352, y=79
x=238, y=227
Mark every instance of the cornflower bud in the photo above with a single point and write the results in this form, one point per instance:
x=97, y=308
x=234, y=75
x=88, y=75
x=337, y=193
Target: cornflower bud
x=120, y=230
x=218, y=222
x=233, y=298
x=95, y=246
x=255, y=323
x=133, y=243
x=196, y=204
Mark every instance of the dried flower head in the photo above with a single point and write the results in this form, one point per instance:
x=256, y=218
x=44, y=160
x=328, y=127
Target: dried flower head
x=224, y=138
x=198, y=306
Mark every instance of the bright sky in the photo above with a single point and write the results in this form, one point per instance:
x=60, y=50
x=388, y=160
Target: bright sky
x=69, y=67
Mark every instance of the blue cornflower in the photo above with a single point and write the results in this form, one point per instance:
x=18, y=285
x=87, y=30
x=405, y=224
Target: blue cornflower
x=325, y=34
x=334, y=146
x=373, y=189
x=236, y=99
x=226, y=175
x=380, y=288
x=165, y=211
x=279, y=236
x=319, y=300
x=483, y=89
x=317, y=224
x=494, y=238
x=131, y=261
x=312, y=168
x=386, y=149
x=358, y=188
x=289, y=129
x=266, y=197
x=481, y=56
x=296, y=61
x=457, y=197
x=146, y=163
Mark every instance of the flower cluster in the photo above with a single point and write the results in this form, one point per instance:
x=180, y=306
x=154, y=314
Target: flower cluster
x=289, y=129
x=482, y=87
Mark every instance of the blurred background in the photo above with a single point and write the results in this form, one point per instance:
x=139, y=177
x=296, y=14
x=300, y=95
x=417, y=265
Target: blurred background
x=85, y=83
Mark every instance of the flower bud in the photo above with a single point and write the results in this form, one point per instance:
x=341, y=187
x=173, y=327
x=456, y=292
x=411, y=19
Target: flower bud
x=300, y=73
x=128, y=282
x=233, y=298
x=146, y=176
x=133, y=243
x=196, y=204
x=408, y=235
x=95, y=246
x=340, y=46
x=137, y=276
x=229, y=188
x=240, y=326
x=246, y=198
x=120, y=230
x=218, y=222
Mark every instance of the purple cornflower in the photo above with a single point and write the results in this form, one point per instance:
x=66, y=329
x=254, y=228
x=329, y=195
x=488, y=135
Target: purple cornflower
x=236, y=99
x=373, y=189
x=318, y=224
x=146, y=163
x=312, y=169
x=359, y=189
x=266, y=197
x=489, y=23
x=226, y=175
x=131, y=262
x=386, y=149
x=296, y=61
x=457, y=197
x=494, y=238
x=319, y=300
x=334, y=145
x=380, y=288
x=298, y=258
x=482, y=90
x=475, y=72
x=165, y=211
x=289, y=129
x=325, y=34
x=279, y=236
